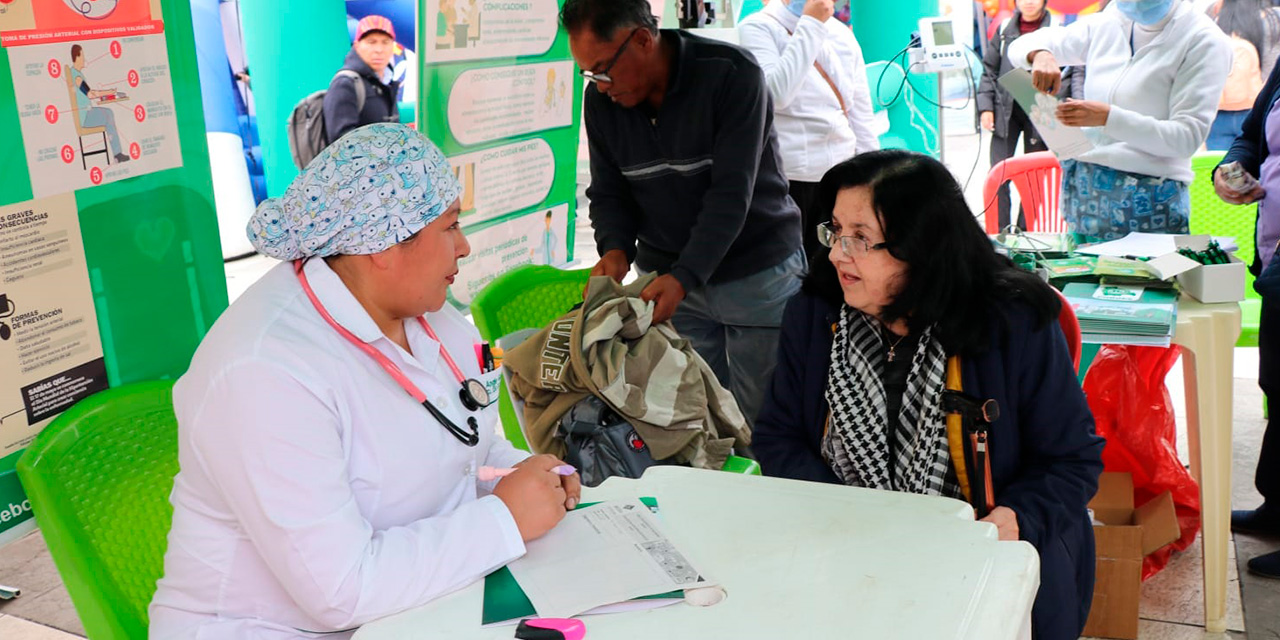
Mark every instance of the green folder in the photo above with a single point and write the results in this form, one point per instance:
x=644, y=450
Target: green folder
x=505, y=600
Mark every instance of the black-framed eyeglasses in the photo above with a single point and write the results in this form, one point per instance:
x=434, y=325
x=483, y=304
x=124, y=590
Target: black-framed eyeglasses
x=853, y=246
x=603, y=74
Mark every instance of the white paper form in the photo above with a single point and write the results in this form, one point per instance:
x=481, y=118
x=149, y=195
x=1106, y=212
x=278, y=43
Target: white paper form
x=1042, y=108
x=607, y=553
x=1150, y=245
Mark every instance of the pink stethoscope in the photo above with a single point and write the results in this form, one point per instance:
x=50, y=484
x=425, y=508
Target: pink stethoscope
x=473, y=393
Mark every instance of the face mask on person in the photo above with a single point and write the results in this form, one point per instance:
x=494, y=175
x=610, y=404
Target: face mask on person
x=796, y=7
x=1145, y=12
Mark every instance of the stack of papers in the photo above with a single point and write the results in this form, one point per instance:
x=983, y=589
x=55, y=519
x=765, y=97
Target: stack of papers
x=1123, y=314
x=604, y=557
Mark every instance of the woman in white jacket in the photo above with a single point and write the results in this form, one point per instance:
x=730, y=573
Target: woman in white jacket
x=814, y=69
x=330, y=428
x=1154, y=73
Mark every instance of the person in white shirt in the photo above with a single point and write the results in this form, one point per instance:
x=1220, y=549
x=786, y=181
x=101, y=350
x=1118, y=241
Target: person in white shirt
x=815, y=72
x=1155, y=71
x=333, y=421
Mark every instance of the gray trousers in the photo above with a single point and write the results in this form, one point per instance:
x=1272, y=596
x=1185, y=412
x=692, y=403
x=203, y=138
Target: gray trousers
x=734, y=326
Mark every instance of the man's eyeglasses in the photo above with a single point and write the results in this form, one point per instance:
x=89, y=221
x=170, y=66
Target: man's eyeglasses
x=603, y=74
x=853, y=246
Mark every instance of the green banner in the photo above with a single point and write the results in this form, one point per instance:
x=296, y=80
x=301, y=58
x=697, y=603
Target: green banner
x=110, y=269
x=500, y=95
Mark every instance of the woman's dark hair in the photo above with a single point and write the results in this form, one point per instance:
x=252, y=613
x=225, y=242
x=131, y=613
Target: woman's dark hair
x=75, y=51
x=955, y=279
x=605, y=17
x=1246, y=19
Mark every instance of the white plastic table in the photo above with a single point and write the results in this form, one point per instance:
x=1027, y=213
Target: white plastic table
x=1207, y=333
x=799, y=560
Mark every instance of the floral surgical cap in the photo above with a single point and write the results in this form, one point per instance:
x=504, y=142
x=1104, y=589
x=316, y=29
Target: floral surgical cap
x=366, y=192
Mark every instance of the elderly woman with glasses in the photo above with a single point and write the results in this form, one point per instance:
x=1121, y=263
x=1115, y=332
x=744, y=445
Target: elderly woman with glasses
x=911, y=299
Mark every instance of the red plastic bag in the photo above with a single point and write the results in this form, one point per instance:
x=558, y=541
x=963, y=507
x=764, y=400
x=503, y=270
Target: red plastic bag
x=1133, y=411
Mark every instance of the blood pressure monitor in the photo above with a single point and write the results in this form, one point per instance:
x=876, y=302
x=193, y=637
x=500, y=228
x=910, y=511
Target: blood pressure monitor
x=941, y=52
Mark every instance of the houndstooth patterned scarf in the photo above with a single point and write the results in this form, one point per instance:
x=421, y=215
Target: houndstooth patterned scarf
x=856, y=444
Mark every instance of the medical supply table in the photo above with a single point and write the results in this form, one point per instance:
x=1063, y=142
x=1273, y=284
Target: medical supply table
x=799, y=559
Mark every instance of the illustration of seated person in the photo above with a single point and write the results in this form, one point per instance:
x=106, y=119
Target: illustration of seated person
x=89, y=116
x=445, y=17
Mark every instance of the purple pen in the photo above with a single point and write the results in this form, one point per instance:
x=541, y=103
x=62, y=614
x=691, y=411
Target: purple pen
x=486, y=473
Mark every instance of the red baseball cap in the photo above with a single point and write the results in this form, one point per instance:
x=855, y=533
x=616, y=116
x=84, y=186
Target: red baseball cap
x=374, y=23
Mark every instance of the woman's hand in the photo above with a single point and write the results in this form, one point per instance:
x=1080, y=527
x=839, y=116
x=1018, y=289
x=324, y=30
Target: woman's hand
x=536, y=496
x=572, y=484
x=988, y=121
x=1083, y=113
x=1231, y=196
x=1045, y=74
x=1006, y=522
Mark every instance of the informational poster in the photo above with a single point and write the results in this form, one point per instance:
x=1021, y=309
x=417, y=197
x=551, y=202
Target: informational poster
x=95, y=99
x=50, y=349
x=536, y=237
x=507, y=102
x=488, y=29
x=110, y=267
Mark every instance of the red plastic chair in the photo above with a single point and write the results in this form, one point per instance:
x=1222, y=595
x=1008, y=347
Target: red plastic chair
x=1071, y=328
x=1038, y=179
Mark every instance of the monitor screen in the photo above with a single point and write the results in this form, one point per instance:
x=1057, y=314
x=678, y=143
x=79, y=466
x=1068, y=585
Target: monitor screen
x=942, y=33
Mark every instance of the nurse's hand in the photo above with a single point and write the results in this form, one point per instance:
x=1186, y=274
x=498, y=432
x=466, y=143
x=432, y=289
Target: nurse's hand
x=535, y=495
x=1045, y=73
x=1083, y=113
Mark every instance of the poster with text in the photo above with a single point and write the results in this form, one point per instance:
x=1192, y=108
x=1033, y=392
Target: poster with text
x=535, y=238
x=487, y=29
x=50, y=348
x=506, y=102
x=94, y=111
x=27, y=22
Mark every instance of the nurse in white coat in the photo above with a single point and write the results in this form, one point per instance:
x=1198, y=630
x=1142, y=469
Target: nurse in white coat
x=331, y=426
x=1154, y=71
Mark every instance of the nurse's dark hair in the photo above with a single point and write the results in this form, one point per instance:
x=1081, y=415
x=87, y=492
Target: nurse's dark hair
x=955, y=279
x=605, y=17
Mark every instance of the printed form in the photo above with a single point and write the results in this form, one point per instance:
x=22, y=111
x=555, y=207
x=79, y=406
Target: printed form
x=603, y=554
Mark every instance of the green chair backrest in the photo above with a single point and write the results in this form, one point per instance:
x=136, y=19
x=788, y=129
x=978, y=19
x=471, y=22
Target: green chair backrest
x=1209, y=214
x=526, y=297
x=99, y=478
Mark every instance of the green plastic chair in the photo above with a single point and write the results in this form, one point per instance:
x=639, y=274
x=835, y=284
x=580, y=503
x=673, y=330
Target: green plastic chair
x=530, y=297
x=526, y=297
x=1209, y=214
x=99, y=478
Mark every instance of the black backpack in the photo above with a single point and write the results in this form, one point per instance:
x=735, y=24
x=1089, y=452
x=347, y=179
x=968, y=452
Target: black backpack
x=601, y=443
x=307, y=137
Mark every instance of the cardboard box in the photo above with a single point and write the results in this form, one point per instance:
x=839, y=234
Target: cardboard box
x=1125, y=537
x=1215, y=282
x=1212, y=283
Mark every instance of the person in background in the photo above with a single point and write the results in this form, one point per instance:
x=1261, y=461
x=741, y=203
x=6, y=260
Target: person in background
x=1155, y=71
x=370, y=59
x=1254, y=29
x=1257, y=153
x=822, y=109
x=328, y=463
x=686, y=181
x=910, y=282
x=1000, y=114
